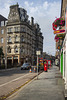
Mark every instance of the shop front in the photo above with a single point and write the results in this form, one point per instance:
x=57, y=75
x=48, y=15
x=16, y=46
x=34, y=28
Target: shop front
x=9, y=62
x=65, y=61
x=15, y=60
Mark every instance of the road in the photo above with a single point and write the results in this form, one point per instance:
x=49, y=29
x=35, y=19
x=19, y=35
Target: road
x=12, y=79
x=11, y=74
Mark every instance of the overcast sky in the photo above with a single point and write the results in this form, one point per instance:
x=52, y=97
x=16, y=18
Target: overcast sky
x=44, y=13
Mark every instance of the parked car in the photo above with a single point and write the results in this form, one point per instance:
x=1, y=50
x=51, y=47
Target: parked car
x=25, y=66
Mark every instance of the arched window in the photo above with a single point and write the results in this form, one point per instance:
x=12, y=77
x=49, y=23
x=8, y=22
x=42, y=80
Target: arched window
x=16, y=49
x=9, y=49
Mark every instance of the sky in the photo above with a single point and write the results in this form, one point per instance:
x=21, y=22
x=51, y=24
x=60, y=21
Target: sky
x=44, y=13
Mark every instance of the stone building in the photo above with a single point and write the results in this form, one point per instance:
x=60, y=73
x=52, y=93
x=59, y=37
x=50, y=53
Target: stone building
x=3, y=34
x=23, y=37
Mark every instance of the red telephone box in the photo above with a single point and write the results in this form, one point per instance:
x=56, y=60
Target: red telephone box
x=45, y=65
x=49, y=63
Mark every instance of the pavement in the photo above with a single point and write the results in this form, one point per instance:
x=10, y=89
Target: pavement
x=48, y=86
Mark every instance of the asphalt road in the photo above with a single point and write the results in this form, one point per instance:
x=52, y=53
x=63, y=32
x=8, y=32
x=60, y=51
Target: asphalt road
x=12, y=79
x=11, y=74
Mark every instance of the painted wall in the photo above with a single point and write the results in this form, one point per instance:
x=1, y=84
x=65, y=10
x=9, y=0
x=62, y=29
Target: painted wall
x=62, y=63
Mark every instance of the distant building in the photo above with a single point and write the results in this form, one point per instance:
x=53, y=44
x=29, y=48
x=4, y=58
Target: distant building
x=3, y=34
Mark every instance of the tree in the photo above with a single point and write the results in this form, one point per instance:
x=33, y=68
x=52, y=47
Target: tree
x=1, y=54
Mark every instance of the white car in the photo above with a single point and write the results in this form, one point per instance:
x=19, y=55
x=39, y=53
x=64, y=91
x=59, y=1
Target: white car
x=25, y=66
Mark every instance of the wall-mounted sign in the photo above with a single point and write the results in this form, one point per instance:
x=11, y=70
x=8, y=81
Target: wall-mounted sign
x=59, y=31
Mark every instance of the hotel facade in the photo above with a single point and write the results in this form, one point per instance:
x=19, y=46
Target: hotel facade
x=23, y=37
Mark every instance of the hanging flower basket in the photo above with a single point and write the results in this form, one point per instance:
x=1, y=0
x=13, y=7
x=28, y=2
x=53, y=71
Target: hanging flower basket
x=56, y=38
x=59, y=36
x=59, y=47
x=58, y=22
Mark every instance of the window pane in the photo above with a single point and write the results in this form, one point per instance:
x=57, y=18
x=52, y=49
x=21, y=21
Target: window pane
x=22, y=38
x=9, y=29
x=9, y=40
x=16, y=49
x=2, y=31
x=5, y=23
x=16, y=29
x=2, y=23
x=22, y=49
x=16, y=38
x=1, y=40
x=23, y=29
x=9, y=49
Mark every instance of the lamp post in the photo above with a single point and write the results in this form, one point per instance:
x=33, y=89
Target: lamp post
x=37, y=53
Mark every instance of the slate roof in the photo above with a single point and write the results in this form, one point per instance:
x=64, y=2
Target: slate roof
x=2, y=18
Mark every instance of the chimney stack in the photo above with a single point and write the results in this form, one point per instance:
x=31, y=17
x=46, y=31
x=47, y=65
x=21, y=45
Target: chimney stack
x=32, y=21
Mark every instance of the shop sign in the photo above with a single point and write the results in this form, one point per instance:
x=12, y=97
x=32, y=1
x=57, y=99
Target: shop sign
x=9, y=58
x=15, y=58
x=59, y=31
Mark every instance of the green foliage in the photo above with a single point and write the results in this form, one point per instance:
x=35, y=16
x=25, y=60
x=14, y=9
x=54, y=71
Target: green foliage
x=2, y=66
x=1, y=53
